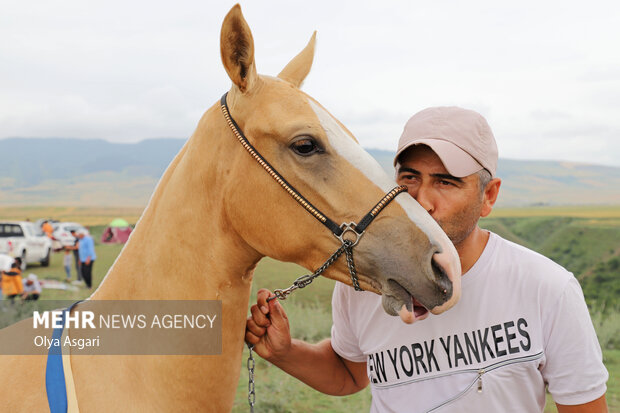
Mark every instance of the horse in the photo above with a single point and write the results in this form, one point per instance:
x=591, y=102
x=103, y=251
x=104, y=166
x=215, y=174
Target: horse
x=215, y=213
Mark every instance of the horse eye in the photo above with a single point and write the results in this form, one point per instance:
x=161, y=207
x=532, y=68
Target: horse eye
x=305, y=147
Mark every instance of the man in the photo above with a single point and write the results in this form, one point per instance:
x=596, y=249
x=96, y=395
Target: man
x=86, y=250
x=47, y=228
x=32, y=288
x=521, y=324
x=76, y=254
x=12, y=280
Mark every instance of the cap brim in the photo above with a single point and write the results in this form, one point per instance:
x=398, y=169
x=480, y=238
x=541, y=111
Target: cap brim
x=458, y=162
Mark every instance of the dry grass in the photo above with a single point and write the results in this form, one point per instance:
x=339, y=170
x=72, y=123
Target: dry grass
x=103, y=215
x=85, y=215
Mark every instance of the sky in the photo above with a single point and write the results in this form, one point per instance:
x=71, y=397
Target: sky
x=545, y=74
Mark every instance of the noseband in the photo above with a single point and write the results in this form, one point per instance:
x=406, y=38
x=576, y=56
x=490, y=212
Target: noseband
x=355, y=230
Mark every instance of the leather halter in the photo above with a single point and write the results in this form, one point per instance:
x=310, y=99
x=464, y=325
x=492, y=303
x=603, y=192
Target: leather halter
x=339, y=231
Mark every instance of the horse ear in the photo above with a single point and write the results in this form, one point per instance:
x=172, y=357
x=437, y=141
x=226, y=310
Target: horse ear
x=297, y=69
x=237, y=49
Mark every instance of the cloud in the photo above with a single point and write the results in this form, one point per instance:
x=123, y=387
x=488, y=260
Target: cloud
x=126, y=71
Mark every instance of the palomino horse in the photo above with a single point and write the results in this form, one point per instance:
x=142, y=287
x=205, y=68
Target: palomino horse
x=216, y=213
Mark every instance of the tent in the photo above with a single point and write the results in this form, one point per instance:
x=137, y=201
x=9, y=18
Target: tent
x=117, y=232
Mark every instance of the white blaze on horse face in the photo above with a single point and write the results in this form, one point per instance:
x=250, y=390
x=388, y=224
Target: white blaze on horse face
x=346, y=147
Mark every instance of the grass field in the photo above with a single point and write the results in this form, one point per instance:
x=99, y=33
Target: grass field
x=103, y=215
x=310, y=310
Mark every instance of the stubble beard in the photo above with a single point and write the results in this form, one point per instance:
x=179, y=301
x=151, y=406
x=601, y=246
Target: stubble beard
x=460, y=225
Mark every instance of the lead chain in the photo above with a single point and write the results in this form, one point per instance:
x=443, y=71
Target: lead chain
x=349, y=253
x=301, y=282
x=305, y=280
x=251, y=393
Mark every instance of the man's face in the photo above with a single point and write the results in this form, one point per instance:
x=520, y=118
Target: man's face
x=455, y=203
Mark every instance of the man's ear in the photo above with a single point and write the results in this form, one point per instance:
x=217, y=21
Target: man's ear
x=490, y=196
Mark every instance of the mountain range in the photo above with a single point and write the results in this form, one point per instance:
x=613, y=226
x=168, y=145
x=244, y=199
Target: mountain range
x=80, y=172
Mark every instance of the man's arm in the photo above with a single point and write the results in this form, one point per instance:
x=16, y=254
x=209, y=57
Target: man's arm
x=321, y=368
x=10, y=273
x=596, y=406
x=317, y=365
x=574, y=367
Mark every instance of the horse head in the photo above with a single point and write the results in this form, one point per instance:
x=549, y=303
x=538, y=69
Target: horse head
x=403, y=253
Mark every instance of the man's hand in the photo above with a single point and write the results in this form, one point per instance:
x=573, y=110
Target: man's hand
x=268, y=328
x=87, y=261
x=317, y=365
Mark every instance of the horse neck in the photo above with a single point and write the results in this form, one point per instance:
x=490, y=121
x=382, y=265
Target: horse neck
x=183, y=247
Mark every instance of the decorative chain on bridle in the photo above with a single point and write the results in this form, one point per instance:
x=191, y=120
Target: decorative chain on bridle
x=355, y=230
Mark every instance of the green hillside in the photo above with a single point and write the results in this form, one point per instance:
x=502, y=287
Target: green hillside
x=588, y=247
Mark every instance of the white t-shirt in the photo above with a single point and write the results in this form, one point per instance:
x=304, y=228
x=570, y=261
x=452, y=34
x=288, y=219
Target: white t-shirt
x=35, y=287
x=521, y=323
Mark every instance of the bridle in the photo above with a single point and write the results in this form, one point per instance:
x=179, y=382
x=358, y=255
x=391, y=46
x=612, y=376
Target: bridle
x=356, y=230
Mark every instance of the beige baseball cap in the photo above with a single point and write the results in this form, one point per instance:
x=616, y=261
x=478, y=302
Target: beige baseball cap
x=460, y=137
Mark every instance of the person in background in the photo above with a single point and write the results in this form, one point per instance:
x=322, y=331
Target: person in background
x=32, y=288
x=86, y=250
x=48, y=229
x=76, y=255
x=12, y=280
x=66, y=262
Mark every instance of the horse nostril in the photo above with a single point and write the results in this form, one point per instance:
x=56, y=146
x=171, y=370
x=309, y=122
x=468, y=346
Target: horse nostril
x=441, y=277
x=438, y=271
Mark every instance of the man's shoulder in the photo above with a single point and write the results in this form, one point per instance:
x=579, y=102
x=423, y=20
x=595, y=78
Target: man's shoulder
x=512, y=250
x=528, y=263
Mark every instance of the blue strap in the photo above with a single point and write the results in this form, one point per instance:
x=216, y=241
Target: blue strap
x=54, y=373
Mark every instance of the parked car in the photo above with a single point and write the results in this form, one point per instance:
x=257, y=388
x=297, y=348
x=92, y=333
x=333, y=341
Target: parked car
x=23, y=239
x=62, y=232
x=5, y=262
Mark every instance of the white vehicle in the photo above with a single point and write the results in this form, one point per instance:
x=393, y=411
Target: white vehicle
x=62, y=232
x=5, y=262
x=25, y=240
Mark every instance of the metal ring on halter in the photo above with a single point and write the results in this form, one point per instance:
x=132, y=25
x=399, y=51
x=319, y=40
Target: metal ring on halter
x=350, y=227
